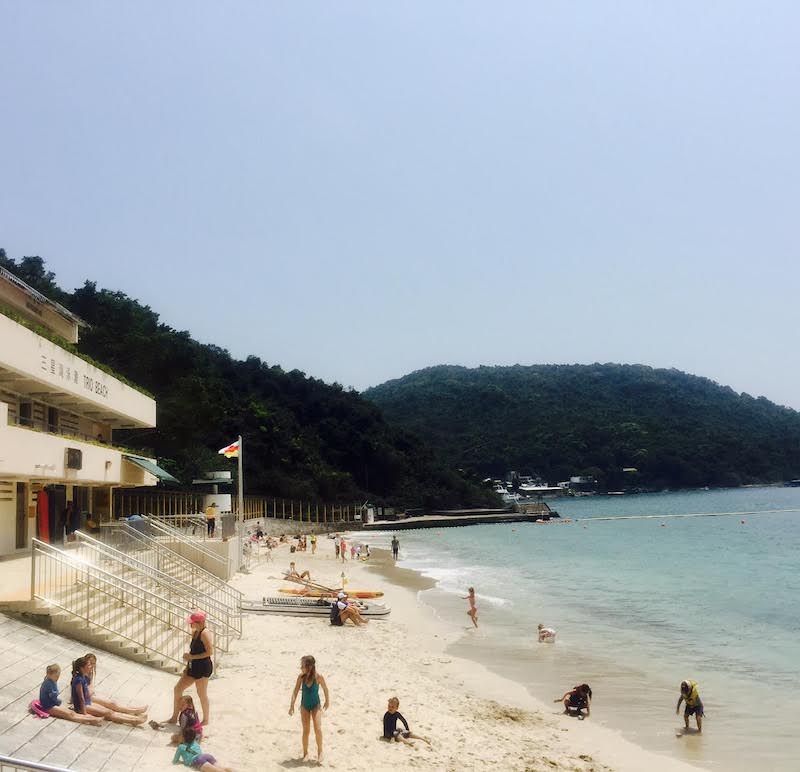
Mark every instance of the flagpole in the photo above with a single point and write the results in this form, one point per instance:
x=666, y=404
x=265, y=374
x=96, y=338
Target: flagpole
x=240, y=546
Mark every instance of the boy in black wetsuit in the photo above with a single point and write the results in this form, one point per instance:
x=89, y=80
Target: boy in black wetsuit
x=390, y=730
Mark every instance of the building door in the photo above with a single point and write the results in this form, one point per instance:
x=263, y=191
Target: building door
x=22, y=515
x=57, y=504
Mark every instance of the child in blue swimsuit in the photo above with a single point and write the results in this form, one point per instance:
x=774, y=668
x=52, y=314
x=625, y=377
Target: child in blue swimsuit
x=310, y=681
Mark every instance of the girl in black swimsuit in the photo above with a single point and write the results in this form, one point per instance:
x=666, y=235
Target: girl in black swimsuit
x=199, y=667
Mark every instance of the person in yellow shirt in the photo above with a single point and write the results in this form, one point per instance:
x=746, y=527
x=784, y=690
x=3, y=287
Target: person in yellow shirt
x=211, y=518
x=694, y=705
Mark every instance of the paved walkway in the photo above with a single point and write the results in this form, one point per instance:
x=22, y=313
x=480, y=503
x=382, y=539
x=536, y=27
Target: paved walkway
x=25, y=651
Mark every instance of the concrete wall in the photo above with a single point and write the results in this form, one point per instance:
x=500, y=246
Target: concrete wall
x=19, y=300
x=8, y=517
x=26, y=454
x=62, y=373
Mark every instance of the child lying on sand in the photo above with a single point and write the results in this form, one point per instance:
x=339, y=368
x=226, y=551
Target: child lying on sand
x=390, y=730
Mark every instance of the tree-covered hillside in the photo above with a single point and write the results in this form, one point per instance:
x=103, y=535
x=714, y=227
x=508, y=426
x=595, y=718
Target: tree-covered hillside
x=304, y=439
x=677, y=430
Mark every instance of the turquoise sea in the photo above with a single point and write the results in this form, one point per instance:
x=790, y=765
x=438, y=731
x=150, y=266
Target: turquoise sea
x=639, y=605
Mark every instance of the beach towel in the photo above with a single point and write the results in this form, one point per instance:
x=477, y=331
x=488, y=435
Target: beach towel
x=36, y=708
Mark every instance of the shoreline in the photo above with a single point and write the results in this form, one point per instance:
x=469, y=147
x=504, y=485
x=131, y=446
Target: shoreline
x=474, y=717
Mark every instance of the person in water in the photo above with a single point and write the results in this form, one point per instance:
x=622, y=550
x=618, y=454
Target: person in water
x=472, y=612
x=390, y=730
x=577, y=699
x=191, y=754
x=309, y=682
x=694, y=705
x=199, y=667
x=546, y=634
x=50, y=702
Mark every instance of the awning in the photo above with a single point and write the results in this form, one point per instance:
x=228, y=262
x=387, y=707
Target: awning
x=149, y=466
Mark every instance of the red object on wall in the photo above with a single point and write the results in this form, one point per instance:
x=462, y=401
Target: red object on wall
x=43, y=508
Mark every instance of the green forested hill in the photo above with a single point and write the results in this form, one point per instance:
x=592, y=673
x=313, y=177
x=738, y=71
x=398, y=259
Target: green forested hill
x=678, y=430
x=304, y=439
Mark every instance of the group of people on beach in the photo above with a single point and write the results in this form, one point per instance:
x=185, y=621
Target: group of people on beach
x=357, y=551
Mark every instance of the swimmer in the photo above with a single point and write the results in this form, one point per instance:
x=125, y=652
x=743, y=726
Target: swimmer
x=546, y=634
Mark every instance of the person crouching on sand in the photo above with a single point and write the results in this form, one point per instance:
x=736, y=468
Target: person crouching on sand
x=310, y=681
x=577, y=699
x=472, y=612
x=694, y=704
x=390, y=730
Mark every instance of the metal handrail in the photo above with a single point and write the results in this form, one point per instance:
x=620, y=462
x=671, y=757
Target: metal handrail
x=196, y=597
x=193, y=519
x=168, y=530
x=168, y=560
x=9, y=762
x=56, y=578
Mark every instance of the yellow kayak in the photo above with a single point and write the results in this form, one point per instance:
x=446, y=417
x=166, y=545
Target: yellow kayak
x=312, y=593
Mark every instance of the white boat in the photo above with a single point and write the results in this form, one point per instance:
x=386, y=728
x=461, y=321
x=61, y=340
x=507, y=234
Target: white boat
x=319, y=607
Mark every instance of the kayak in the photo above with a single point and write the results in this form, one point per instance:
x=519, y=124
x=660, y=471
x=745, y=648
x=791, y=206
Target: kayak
x=307, y=607
x=314, y=593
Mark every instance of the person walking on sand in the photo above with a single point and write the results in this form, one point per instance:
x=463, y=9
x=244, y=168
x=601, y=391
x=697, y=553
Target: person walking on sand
x=694, y=705
x=472, y=612
x=390, y=730
x=395, y=546
x=309, y=682
x=211, y=518
x=199, y=667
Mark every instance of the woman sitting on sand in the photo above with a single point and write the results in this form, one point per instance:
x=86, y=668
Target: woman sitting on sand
x=577, y=699
x=50, y=703
x=343, y=609
x=104, y=701
x=82, y=699
x=310, y=681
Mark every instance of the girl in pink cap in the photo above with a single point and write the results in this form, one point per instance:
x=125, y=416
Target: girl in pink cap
x=199, y=667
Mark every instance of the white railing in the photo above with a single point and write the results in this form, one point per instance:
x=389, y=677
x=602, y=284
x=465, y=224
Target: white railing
x=10, y=763
x=110, y=603
x=169, y=585
x=159, y=529
x=122, y=536
x=193, y=526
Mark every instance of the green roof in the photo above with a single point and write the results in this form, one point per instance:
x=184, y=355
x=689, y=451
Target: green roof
x=149, y=466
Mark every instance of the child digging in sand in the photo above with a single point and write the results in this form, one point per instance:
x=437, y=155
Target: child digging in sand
x=191, y=754
x=390, y=730
x=310, y=710
x=187, y=718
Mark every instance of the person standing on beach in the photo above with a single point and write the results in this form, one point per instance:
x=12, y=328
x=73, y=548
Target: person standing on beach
x=336, y=543
x=472, y=612
x=313, y=544
x=199, y=667
x=343, y=548
x=395, y=546
x=694, y=705
x=309, y=682
x=211, y=518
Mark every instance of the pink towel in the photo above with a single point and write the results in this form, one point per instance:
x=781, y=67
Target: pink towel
x=36, y=708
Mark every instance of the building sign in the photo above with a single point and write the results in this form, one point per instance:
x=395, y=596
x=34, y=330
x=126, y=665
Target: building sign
x=70, y=374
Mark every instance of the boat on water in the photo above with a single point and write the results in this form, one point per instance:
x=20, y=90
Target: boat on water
x=315, y=607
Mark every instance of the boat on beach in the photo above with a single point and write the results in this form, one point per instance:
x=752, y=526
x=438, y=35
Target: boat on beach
x=307, y=607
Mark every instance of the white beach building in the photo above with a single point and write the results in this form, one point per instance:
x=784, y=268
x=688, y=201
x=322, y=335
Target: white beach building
x=57, y=417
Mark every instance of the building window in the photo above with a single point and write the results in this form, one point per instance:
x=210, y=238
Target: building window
x=26, y=414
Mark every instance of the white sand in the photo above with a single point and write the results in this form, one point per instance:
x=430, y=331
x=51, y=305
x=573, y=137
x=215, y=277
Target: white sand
x=474, y=718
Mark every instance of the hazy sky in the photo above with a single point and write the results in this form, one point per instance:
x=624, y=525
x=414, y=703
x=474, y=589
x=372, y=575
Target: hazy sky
x=359, y=190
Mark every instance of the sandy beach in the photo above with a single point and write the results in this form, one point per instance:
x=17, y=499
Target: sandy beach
x=474, y=718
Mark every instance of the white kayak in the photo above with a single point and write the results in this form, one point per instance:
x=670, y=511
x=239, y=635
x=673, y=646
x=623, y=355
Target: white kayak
x=307, y=607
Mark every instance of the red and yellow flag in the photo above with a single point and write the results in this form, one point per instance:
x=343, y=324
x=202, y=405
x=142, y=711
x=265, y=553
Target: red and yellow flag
x=230, y=451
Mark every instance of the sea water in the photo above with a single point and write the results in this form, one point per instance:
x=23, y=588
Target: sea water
x=639, y=605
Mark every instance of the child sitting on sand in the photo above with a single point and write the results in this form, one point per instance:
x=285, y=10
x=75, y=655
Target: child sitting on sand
x=191, y=754
x=577, y=699
x=49, y=702
x=187, y=719
x=390, y=730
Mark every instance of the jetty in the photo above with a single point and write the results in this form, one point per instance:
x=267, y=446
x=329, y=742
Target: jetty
x=459, y=517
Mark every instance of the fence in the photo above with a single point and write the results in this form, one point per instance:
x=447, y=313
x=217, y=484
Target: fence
x=10, y=764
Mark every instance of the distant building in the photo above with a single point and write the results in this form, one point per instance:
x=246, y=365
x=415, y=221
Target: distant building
x=57, y=416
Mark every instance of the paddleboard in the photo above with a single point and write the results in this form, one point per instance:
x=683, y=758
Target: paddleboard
x=311, y=593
